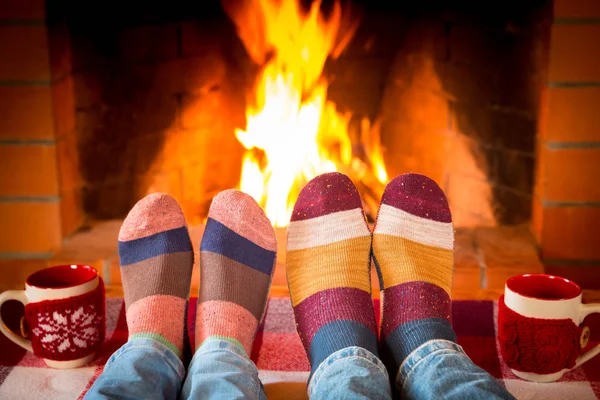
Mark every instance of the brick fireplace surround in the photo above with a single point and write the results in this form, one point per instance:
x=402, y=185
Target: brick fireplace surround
x=58, y=175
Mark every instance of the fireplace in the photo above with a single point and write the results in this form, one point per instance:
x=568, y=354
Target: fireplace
x=495, y=103
x=454, y=94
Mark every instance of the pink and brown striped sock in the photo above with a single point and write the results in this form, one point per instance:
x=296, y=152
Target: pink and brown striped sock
x=237, y=260
x=413, y=244
x=156, y=259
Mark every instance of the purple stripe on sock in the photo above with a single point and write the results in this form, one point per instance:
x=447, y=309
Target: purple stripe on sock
x=333, y=305
x=326, y=194
x=414, y=301
x=418, y=195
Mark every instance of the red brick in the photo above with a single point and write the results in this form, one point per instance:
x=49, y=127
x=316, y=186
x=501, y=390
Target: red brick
x=543, y=117
x=570, y=233
x=506, y=252
x=88, y=88
x=143, y=43
x=166, y=182
x=540, y=174
x=572, y=175
x=574, y=53
x=191, y=74
x=15, y=272
x=470, y=201
x=71, y=211
x=23, y=9
x=26, y=113
x=60, y=51
x=95, y=246
x=28, y=170
x=467, y=271
x=63, y=97
x=573, y=114
x=202, y=38
x=462, y=157
x=202, y=110
x=68, y=163
x=588, y=277
x=506, y=246
x=576, y=8
x=29, y=227
x=415, y=105
x=27, y=49
x=464, y=248
x=537, y=219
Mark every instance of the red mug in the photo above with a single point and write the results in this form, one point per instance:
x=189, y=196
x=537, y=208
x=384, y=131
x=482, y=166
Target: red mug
x=539, y=327
x=64, y=312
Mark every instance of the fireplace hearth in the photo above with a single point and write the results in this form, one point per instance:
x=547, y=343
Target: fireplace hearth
x=495, y=103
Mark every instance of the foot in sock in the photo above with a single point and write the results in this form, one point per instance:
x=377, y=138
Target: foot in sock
x=328, y=256
x=413, y=243
x=237, y=259
x=156, y=259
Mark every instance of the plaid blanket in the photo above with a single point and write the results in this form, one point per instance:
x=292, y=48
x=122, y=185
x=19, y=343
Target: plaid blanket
x=280, y=357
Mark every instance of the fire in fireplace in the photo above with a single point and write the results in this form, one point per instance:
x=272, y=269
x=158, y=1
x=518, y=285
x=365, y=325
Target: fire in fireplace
x=293, y=132
x=191, y=98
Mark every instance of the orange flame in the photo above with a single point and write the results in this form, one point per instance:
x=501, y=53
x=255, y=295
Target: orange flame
x=293, y=132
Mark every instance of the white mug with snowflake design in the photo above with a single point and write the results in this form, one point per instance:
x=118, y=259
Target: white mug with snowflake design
x=64, y=314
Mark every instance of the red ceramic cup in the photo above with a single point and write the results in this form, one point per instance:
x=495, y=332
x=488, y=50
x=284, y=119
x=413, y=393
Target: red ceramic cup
x=539, y=326
x=64, y=310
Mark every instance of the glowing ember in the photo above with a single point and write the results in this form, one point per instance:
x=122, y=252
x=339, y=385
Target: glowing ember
x=293, y=132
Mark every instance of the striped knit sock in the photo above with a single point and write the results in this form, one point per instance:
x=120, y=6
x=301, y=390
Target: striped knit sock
x=328, y=252
x=237, y=260
x=413, y=245
x=156, y=258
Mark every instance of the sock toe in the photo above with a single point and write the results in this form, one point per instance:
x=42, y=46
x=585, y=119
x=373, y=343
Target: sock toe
x=326, y=194
x=418, y=195
x=154, y=213
x=239, y=212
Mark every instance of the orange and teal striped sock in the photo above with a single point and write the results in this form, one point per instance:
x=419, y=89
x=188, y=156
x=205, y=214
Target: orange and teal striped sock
x=328, y=258
x=413, y=250
x=156, y=259
x=237, y=260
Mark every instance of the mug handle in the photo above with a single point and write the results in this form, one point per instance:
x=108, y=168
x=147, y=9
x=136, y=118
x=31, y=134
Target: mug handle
x=584, y=311
x=18, y=295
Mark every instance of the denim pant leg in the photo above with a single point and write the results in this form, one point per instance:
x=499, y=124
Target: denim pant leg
x=350, y=373
x=440, y=369
x=222, y=370
x=141, y=369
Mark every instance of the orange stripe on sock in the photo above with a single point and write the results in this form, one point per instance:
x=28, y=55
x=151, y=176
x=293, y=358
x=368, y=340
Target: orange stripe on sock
x=403, y=260
x=336, y=265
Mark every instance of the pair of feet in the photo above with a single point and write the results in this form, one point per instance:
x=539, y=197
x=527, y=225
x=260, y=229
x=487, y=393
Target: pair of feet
x=330, y=248
x=237, y=258
x=329, y=251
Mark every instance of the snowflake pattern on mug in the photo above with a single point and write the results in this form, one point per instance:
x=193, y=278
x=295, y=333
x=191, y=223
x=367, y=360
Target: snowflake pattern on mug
x=68, y=330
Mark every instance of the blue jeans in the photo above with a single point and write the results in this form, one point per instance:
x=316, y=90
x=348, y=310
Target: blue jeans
x=145, y=369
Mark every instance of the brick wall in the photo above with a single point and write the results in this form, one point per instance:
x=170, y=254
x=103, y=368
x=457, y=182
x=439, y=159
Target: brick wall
x=37, y=206
x=567, y=195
